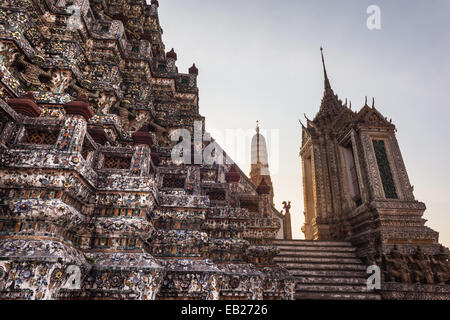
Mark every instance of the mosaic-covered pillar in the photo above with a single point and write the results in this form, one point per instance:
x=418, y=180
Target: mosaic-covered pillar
x=123, y=275
x=34, y=268
x=39, y=221
x=74, y=128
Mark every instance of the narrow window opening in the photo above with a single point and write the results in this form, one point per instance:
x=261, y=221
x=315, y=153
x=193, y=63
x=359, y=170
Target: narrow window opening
x=384, y=169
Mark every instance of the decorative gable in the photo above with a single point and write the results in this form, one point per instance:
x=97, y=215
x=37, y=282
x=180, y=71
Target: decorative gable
x=371, y=117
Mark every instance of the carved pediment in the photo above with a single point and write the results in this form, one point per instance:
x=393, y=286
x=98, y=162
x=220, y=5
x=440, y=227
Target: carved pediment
x=372, y=117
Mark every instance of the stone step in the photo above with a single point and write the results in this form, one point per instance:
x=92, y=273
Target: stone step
x=336, y=296
x=331, y=280
x=328, y=273
x=297, y=253
x=330, y=288
x=325, y=270
x=332, y=260
x=312, y=243
x=316, y=249
x=316, y=266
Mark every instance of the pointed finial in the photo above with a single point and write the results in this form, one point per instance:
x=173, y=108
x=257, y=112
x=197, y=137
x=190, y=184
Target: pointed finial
x=365, y=102
x=193, y=70
x=327, y=82
x=345, y=102
x=257, y=141
x=171, y=54
x=373, y=102
x=350, y=105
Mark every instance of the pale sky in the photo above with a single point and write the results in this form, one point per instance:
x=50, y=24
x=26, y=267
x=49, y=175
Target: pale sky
x=260, y=60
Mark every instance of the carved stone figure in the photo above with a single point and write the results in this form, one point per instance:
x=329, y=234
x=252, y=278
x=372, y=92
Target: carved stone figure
x=421, y=269
x=286, y=206
x=161, y=132
x=31, y=74
x=126, y=113
x=373, y=258
x=75, y=90
x=440, y=267
x=287, y=232
x=396, y=267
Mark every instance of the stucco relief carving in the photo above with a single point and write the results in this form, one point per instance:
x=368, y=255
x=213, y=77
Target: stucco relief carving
x=374, y=179
x=402, y=174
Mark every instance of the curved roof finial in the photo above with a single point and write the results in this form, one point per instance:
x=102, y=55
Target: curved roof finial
x=300, y=121
x=307, y=120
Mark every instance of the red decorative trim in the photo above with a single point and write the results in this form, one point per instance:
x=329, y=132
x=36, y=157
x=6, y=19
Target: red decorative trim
x=171, y=54
x=26, y=106
x=193, y=70
x=143, y=138
x=79, y=107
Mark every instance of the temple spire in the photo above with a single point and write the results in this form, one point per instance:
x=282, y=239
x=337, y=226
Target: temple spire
x=327, y=81
x=257, y=141
x=259, y=167
x=330, y=105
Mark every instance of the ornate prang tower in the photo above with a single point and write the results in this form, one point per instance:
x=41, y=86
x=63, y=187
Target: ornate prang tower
x=355, y=183
x=259, y=168
x=260, y=178
x=93, y=204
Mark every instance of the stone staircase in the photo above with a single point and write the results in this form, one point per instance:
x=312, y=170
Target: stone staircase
x=325, y=270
